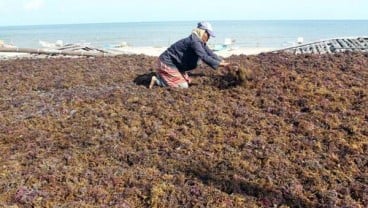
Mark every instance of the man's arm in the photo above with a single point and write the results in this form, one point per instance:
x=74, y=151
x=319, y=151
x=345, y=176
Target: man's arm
x=202, y=53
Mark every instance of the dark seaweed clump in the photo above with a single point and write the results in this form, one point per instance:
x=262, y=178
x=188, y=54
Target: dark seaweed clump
x=289, y=131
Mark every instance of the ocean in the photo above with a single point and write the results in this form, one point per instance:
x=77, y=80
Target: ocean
x=253, y=34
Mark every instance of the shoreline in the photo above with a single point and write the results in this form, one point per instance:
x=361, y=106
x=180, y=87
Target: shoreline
x=147, y=50
x=156, y=51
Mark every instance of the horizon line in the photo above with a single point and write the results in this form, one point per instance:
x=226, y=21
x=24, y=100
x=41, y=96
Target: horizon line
x=163, y=21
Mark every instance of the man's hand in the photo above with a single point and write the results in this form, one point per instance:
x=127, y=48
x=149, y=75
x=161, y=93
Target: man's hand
x=225, y=65
x=228, y=66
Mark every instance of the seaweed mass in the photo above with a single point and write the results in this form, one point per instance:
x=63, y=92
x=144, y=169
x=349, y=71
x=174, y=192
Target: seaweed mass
x=289, y=131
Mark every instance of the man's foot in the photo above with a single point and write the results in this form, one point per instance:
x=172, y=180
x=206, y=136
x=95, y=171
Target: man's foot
x=153, y=82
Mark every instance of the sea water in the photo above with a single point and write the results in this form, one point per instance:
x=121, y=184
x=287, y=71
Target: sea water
x=251, y=34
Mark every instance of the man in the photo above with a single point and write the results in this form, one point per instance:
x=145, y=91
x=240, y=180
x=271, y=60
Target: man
x=184, y=56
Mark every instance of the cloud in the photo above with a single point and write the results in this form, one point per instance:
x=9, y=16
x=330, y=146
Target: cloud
x=33, y=5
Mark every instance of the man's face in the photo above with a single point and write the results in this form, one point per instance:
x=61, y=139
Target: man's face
x=205, y=37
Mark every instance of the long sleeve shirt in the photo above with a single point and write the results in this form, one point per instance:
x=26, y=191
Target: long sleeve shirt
x=186, y=53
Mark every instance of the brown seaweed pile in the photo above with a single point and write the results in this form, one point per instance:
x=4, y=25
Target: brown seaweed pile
x=292, y=132
x=240, y=75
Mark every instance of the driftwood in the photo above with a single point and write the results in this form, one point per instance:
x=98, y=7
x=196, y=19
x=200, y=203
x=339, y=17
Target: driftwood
x=55, y=52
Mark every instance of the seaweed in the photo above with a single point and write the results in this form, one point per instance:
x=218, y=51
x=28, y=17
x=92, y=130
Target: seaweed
x=277, y=130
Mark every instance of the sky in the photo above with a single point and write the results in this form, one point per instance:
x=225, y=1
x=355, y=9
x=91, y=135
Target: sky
x=40, y=12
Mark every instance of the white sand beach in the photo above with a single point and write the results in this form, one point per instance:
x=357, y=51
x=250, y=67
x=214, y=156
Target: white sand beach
x=243, y=51
x=7, y=55
x=149, y=51
x=156, y=51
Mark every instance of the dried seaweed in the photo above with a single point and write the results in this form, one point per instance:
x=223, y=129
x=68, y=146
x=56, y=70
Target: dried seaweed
x=282, y=130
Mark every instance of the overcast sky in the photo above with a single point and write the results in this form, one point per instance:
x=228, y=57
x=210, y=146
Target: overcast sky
x=35, y=12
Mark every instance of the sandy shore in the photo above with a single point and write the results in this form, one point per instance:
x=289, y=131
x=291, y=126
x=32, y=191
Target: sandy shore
x=4, y=56
x=156, y=51
x=149, y=51
x=245, y=51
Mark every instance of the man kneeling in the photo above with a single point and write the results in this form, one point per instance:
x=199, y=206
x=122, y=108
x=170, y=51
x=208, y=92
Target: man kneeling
x=183, y=56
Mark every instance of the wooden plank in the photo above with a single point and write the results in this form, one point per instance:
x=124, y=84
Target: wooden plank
x=327, y=47
x=331, y=47
x=301, y=50
x=314, y=50
x=317, y=48
x=364, y=41
x=356, y=42
x=321, y=48
x=342, y=43
x=310, y=48
x=335, y=44
x=348, y=43
x=304, y=50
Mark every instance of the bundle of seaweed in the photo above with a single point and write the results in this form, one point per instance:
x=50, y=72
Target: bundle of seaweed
x=241, y=74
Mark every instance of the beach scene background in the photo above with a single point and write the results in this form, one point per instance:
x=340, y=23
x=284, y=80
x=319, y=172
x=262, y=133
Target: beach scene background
x=152, y=38
x=84, y=124
x=274, y=34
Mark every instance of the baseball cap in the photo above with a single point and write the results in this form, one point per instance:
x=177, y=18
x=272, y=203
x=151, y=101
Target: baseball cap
x=207, y=27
